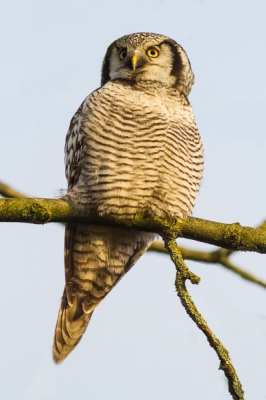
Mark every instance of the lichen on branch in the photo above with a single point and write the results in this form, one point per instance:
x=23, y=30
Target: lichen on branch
x=42, y=211
x=182, y=274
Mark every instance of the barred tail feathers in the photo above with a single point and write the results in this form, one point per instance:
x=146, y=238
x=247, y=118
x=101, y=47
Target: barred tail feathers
x=96, y=258
x=71, y=324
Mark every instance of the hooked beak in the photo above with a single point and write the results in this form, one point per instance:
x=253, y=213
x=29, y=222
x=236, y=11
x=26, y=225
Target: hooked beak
x=134, y=61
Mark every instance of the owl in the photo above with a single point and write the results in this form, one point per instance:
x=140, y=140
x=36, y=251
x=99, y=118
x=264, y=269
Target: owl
x=132, y=148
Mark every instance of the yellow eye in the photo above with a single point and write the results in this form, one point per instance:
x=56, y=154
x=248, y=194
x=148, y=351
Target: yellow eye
x=123, y=54
x=153, y=53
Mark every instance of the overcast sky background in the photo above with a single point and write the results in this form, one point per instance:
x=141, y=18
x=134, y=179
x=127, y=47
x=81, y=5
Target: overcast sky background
x=140, y=343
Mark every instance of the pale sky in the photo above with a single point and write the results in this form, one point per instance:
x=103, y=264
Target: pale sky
x=140, y=343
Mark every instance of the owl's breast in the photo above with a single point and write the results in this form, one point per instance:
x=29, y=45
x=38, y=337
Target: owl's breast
x=139, y=153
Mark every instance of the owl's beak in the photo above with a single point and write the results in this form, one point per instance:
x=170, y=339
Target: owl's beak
x=134, y=61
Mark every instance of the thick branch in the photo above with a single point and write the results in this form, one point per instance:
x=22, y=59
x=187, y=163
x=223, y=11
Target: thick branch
x=230, y=236
x=220, y=256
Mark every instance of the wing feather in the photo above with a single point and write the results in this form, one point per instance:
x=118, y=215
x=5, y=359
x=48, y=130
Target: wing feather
x=74, y=147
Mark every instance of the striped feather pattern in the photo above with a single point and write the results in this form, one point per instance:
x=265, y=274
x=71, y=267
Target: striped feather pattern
x=131, y=148
x=142, y=151
x=96, y=258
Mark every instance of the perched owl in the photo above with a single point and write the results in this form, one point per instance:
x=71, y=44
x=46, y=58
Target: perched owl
x=133, y=147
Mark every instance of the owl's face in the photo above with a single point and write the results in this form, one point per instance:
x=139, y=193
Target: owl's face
x=148, y=57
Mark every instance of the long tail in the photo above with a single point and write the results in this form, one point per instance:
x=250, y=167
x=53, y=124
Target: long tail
x=70, y=327
x=96, y=258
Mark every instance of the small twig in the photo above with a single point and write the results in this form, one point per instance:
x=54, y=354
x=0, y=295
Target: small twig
x=220, y=257
x=225, y=262
x=183, y=273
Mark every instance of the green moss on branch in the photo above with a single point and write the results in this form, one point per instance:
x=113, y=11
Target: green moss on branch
x=42, y=211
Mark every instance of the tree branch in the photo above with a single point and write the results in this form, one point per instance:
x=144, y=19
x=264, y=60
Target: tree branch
x=8, y=191
x=230, y=236
x=220, y=256
x=182, y=274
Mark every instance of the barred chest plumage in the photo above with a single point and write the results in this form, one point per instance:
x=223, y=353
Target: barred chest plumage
x=132, y=148
x=142, y=152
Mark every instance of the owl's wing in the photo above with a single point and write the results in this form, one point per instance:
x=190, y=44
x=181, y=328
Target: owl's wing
x=96, y=257
x=74, y=151
x=67, y=331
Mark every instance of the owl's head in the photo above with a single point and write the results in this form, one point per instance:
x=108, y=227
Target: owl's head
x=148, y=57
